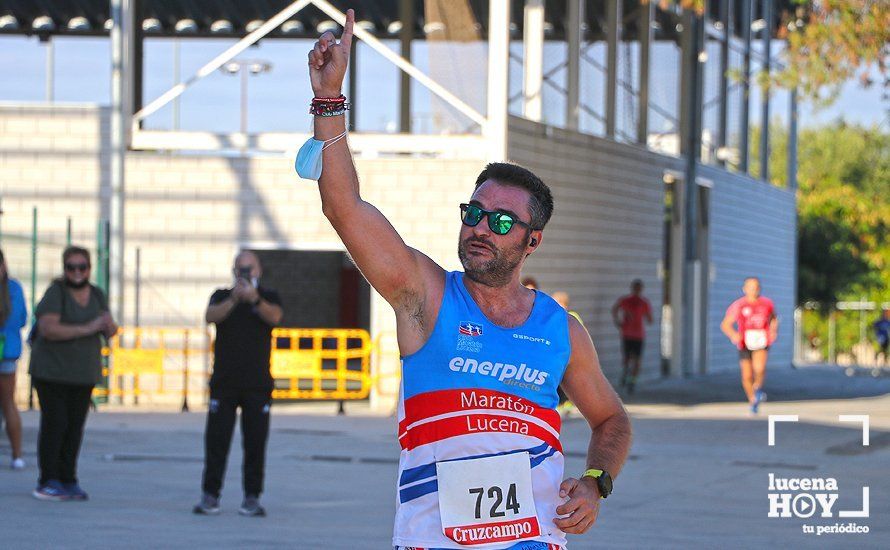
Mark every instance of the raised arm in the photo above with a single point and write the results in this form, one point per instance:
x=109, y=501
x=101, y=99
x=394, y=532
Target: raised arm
x=398, y=272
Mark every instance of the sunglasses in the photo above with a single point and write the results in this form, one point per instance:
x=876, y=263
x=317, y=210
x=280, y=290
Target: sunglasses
x=76, y=267
x=499, y=222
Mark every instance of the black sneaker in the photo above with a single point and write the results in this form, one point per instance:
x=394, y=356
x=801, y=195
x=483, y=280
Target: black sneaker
x=75, y=492
x=209, y=505
x=250, y=506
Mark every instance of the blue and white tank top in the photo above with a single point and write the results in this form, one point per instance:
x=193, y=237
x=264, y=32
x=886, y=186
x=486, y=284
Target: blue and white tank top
x=475, y=390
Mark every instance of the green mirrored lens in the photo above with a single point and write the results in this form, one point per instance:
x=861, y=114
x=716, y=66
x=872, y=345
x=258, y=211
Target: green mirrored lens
x=501, y=224
x=472, y=215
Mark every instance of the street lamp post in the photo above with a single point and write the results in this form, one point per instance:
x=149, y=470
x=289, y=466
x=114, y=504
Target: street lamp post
x=245, y=67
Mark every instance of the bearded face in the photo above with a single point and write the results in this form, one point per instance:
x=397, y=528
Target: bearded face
x=487, y=257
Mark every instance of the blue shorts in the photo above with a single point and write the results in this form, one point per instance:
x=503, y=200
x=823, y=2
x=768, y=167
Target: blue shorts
x=8, y=366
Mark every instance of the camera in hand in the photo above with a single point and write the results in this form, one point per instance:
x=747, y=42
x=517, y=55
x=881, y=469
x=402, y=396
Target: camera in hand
x=244, y=273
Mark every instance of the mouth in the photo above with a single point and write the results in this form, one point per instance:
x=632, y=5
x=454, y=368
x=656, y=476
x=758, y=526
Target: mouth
x=478, y=247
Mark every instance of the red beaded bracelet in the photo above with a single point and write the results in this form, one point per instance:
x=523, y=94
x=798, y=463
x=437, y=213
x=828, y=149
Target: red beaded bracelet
x=328, y=106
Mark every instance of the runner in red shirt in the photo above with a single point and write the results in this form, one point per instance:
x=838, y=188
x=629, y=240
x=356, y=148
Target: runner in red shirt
x=751, y=324
x=632, y=308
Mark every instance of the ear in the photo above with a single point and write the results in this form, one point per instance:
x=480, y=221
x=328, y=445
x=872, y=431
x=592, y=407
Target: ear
x=534, y=242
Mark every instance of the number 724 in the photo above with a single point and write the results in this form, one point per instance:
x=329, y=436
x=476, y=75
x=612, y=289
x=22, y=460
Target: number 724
x=496, y=495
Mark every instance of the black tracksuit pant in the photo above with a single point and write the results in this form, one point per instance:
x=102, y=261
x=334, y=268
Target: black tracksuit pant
x=63, y=412
x=224, y=403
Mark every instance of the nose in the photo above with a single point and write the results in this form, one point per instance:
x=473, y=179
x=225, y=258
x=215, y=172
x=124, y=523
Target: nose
x=481, y=229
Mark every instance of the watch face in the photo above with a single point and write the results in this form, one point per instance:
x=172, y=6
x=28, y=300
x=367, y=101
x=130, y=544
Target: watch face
x=605, y=483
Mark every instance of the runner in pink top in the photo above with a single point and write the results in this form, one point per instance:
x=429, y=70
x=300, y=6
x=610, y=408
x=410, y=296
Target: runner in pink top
x=628, y=314
x=751, y=324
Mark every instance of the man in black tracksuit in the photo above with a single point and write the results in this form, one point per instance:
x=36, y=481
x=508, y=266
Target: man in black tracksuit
x=244, y=316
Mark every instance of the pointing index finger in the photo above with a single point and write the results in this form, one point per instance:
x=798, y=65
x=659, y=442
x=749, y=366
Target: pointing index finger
x=346, y=37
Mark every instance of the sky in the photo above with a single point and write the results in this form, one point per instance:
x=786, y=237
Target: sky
x=278, y=100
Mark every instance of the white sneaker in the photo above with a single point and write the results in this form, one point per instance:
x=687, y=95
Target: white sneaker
x=17, y=464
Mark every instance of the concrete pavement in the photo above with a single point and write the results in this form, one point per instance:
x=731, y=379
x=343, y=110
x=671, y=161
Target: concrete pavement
x=697, y=476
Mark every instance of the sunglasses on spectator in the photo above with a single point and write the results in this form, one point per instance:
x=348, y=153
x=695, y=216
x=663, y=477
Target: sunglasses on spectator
x=76, y=267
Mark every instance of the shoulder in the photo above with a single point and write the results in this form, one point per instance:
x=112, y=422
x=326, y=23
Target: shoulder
x=220, y=294
x=547, y=301
x=735, y=306
x=55, y=290
x=15, y=287
x=99, y=292
x=767, y=302
x=579, y=339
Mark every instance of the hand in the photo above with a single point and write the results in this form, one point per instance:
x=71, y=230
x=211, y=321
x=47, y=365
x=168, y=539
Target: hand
x=97, y=325
x=328, y=60
x=773, y=335
x=110, y=327
x=735, y=339
x=240, y=290
x=582, y=507
x=250, y=294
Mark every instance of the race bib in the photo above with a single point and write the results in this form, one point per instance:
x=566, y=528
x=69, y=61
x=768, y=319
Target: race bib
x=483, y=501
x=755, y=339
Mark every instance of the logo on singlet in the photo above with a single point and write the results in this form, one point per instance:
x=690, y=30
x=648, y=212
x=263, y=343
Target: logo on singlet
x=511, y=375
x=470, y=329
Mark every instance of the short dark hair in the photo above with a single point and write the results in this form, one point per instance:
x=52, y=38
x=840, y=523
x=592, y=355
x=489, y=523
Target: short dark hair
x=541, y=202
x=636, y=283
x=73, y=250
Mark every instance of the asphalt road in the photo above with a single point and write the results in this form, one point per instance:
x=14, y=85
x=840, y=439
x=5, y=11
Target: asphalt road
x=697, y=477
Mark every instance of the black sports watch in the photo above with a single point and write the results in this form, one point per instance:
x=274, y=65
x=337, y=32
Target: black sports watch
x=603, y=481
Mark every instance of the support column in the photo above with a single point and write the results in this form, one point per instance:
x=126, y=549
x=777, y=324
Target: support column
x=613, y=34
x=498, y=78
x=121, y=49
x=746, y=86
x=764, y=92
x=690, y=135
x=136, y=58
x=575, y=13
x=644, y=27
x=724, y=80
x=533, y=59
x=792, y=142
x=406, y=16
x=353, y=85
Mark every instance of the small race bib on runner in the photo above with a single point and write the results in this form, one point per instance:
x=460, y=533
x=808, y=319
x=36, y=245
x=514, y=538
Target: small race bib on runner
x=489, y=500
x=755, y=339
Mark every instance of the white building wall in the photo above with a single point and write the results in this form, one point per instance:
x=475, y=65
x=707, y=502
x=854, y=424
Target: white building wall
x=606, y=230
x=190, y=213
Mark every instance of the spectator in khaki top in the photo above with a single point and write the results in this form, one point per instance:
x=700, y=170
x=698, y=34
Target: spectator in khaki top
x=65, y=364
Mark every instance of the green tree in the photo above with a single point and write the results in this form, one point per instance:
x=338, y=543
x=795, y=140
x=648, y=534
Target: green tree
x=843, y=210
x=828, y=43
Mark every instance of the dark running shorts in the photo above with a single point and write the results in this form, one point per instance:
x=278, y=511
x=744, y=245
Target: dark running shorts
x=632, y=348
x=746, y=353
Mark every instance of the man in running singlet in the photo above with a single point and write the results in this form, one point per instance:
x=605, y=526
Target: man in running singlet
x=752, y=326
x=481, y=463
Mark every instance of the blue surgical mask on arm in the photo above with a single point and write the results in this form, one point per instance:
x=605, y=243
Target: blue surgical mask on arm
x=309, y=159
